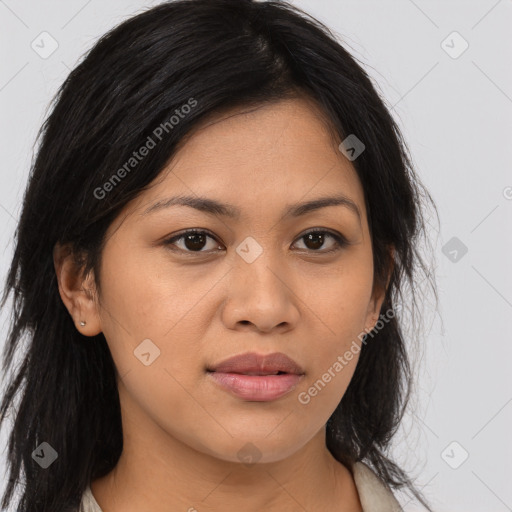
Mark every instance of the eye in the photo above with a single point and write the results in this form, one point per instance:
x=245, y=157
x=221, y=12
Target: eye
x=195, y=240
x=315, y=239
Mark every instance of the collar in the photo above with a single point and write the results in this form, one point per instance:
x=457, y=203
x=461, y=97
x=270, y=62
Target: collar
x=374, y=494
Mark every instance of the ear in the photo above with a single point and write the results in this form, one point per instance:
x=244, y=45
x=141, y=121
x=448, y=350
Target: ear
x=379, y=294
x=78, y=293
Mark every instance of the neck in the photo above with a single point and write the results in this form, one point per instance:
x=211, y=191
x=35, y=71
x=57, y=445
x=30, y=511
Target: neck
x=158, y=472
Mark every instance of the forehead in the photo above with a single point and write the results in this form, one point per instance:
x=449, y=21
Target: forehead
x=261, y=139
x=276, y=154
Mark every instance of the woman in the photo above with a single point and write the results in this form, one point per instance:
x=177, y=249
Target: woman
x=217, y=228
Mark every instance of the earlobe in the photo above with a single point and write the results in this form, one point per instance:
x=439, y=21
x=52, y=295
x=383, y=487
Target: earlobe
x=75, y=291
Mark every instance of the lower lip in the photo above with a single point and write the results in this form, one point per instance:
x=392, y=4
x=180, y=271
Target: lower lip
x=257, y=388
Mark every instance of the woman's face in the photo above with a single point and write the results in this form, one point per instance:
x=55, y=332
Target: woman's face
x=251, y=282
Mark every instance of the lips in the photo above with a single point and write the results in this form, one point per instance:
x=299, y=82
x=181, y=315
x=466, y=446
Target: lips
x=257, y=378
x=256, y=364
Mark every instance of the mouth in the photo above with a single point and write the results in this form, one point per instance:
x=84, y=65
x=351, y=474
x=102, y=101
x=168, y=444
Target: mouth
x=252, y=363
x=257, y=378
x=257, y=373
x=256, y=387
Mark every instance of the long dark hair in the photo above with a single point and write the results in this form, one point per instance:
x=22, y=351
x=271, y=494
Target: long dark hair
x=212, y=55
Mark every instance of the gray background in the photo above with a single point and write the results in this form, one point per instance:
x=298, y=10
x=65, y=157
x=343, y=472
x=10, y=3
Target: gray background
x=456, y=114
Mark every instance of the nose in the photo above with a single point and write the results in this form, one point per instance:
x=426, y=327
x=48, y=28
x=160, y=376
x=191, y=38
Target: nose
x=261, y=296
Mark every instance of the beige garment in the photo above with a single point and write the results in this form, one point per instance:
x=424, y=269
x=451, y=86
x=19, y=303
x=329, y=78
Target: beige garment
x=373, y=494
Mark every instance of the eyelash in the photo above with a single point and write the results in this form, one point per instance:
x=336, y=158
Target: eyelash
x=341, y=241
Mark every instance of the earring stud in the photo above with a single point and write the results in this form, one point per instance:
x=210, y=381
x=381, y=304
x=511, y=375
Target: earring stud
x=82, y=323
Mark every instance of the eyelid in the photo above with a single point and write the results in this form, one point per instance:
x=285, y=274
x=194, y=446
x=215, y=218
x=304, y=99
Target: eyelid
x=174, y=238
x=341, y=240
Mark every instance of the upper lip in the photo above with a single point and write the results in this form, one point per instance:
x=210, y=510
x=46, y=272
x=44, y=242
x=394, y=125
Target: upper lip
x=258, y=364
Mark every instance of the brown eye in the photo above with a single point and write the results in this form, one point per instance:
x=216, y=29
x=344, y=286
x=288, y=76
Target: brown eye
x=196, y=241
x=192, y=241
x=316, y=239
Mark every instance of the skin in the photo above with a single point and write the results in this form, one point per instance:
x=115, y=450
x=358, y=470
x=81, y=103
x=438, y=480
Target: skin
x=182, y=433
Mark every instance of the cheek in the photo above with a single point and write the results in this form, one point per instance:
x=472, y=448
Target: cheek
x=156, y=396
x=337, y=346
x=140, y=295
x=340, y=308
x=340, y=302
x=150, y=315
x=324, y=389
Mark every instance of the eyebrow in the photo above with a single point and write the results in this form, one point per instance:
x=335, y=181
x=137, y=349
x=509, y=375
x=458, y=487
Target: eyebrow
x=219, y=209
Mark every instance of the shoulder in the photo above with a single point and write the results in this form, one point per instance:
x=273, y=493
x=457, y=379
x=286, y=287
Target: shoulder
x=88, y=503
x=374, y=495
